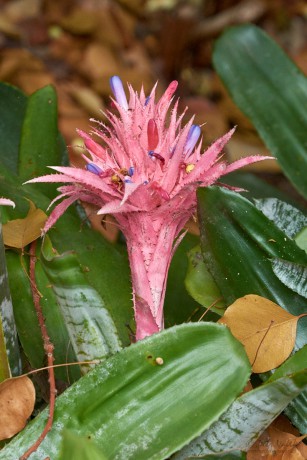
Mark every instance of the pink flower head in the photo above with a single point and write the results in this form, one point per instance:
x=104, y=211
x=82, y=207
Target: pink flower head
x=145, y=171
x=6, y=202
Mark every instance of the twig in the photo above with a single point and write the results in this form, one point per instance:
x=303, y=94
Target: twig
x=48, y=347
x=209, y=308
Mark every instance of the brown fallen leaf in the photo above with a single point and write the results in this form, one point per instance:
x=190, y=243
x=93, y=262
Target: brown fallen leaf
x=266, y=330
x=88, y=100
x=18, y=233
x=17, y=398
x=278, y=445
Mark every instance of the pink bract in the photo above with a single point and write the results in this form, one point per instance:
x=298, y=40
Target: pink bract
x=144, y=168
x=6, y=202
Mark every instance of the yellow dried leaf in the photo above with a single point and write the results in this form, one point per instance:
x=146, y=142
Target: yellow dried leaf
x=17, y=398
x=266, y=330
x=18, y=233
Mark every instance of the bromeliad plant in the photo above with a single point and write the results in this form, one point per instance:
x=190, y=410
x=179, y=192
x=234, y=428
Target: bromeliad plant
x=146, y=174
x=178, y=391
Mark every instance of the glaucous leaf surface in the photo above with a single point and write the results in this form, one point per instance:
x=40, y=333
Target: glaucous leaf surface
x=252, y=412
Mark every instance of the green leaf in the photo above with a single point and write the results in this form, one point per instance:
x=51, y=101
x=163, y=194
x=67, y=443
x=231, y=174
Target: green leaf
x=134, y=408
x=13, y=104
x=5, y=372
x=249, y=415
x=301, y=239
x=91, y=329
x=200, y=284
x=39, y=143
x=289, y=219
x=26, y=319
x=292, y=275
x=10, y=362
x=238, y=243
x=76, y=448
x=270, y=89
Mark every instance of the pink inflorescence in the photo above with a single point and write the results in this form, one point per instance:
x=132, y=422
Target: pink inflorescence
x=144, y=168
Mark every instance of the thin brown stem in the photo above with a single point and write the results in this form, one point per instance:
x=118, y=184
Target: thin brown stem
x=209, y=308
x=48, y=347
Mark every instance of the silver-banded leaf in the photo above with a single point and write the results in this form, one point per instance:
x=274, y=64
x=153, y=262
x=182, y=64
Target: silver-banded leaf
x=10, y=356
x=292, y=275
x=91, y=329
x=134, y=406
x=249, y=415
x=5, y=371
x=26, y=318
x=289, y=219
x=238, y=243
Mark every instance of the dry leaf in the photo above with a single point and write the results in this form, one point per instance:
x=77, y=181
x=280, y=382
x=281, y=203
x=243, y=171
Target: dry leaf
x=88, y=99
x=80, y=21
x=266, y=330
x=277, y=445
x=94, y=54
x=17, y=398
x=20, y=232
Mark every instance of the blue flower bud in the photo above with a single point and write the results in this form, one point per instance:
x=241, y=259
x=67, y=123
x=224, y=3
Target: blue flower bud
x=91, y=167
x=118, y=91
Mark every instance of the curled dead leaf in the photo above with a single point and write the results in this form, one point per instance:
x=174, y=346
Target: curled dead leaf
x=18, y=233
x=266, y=330
x=17, y=398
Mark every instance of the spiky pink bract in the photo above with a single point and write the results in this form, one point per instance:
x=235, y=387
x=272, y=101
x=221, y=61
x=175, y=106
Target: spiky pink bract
x=145, y=171
x=6, y=202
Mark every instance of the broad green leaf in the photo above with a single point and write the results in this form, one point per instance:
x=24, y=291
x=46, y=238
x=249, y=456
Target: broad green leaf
x=13, y=104
x=238, y=243
x=75, y=448
x=91, y=329
x=134, y=408
x=10, y=362
x=39, y=143
x=292, y=275
x=251, y=413
x=289, y=219
x=201, y=285
x=271, y=90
